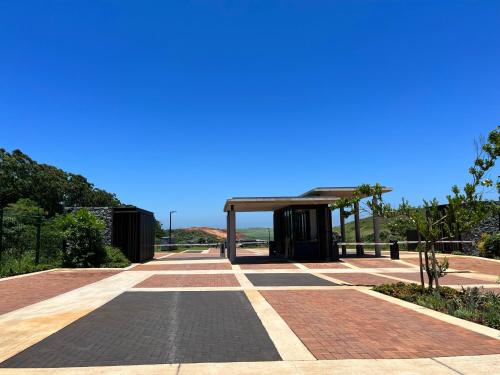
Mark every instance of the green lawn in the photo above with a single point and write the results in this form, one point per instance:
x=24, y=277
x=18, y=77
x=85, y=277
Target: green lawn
x=256, y=233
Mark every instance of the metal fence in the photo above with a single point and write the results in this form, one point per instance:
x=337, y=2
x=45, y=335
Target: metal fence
x=28, y=238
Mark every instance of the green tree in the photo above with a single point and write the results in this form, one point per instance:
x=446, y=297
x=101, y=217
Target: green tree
x=84, y=240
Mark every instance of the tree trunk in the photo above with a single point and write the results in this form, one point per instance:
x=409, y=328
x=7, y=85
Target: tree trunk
x=430, y=275
x=434, y=265
x=420, y=262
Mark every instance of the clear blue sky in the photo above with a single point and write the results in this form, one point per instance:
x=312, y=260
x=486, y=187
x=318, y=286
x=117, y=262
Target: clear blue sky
x=182, y=104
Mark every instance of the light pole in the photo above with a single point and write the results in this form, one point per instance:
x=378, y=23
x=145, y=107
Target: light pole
x=170, y=228
x=269, y=236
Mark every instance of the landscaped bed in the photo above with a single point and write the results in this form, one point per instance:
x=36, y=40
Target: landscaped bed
x=474, y=304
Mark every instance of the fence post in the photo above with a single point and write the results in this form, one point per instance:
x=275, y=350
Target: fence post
x=37, y=248
x=335, y=251
x=222, y=250
x=394, y=247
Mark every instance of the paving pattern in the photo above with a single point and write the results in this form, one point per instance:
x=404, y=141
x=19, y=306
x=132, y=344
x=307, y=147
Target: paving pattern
x=161, y=327
x=361, y=278
x=448, y=279
x=23, y=291
x=280, y=310
x=179, y=281
x=181, y=267
x=286, y=279
x=485, y=266
x=348, y=324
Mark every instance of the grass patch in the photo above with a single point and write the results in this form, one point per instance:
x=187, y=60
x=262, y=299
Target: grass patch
x=474, y=304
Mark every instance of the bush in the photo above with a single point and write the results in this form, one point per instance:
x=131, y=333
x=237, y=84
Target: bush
x=489, y=245
x=84, y=245
x=472, y=304
x=20, y=265
x=115, y=258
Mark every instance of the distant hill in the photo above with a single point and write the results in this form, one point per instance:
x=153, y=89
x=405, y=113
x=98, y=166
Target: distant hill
x=366, y=229
x=256, y=233
x=201, y=235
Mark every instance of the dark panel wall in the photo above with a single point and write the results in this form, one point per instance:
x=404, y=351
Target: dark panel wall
x=133, y=233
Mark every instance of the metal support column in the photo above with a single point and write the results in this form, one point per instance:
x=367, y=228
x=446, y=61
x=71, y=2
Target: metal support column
x=342, y=231
x=232, y=235
x=376, y=229
x=357, y=229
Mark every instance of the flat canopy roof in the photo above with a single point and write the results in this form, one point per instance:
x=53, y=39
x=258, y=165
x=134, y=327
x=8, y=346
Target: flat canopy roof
x=317, y=196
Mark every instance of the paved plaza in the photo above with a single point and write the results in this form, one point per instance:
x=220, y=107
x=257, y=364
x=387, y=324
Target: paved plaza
x=194, y=312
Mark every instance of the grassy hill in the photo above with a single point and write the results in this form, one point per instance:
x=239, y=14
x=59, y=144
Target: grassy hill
x=366, y=229
x=255, y=233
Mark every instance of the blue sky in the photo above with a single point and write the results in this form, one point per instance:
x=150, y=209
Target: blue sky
x=182, y=104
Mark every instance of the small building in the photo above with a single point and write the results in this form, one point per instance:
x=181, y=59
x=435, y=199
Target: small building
x=302, y=224
x=129, y=228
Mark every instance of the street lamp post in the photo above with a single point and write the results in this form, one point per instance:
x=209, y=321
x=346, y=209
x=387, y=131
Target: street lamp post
x=170, y=228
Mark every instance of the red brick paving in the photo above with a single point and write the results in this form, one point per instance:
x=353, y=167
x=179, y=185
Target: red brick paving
x=361, y=278
x=347, y=324
x=449, y=279
x=313, y=265
x=179, y=281
x=23, y=291
x=375, y=263
x=480, y=265
x=267, y=266
x=159, y=254
x=182, y=267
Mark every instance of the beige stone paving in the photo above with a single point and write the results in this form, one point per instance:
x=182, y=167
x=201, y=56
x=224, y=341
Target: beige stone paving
x=476, y=365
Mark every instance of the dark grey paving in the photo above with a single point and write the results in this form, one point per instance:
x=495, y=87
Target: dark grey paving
x=155, y=328
x=286, y=279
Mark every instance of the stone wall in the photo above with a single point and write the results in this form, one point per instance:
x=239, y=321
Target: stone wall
x=103, y=213
x=490, y=225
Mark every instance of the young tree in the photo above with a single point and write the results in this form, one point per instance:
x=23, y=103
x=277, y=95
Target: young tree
x=466, y=208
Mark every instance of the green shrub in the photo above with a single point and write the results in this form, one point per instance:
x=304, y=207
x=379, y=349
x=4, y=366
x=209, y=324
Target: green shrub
x=84, y=245
x=489, y=245
x=24, y=264
x=115, y=258
x=473, y=304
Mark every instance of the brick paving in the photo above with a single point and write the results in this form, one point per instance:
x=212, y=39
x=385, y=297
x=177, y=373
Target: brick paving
x=361, y=278
x=266, y=266
x=348, y=324
x=193, y=256
x=449, y=279
x=180, y=281
x=322, y=265
x=480, y=265
x=157, y=327
x=375, y=263
x=286, y=279
x=19, y=292
x=181, y=267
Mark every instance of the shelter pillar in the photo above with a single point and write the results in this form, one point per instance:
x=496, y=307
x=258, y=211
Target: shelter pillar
x=232, y=234
x=376, y=229
x=357, y=230
x=342, y=230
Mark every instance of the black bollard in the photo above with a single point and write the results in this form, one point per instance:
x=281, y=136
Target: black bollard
x=394, y=247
